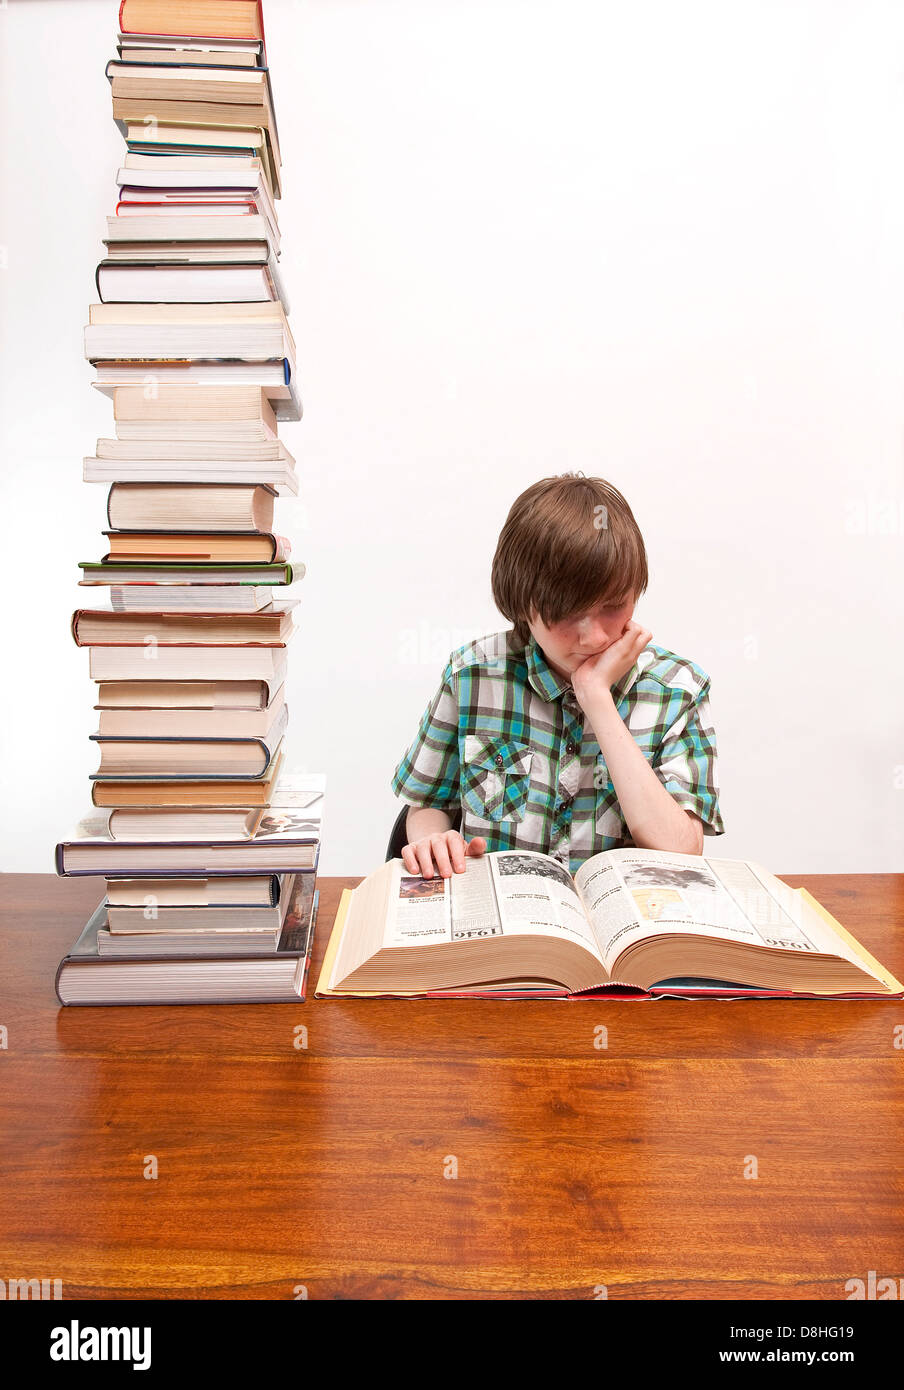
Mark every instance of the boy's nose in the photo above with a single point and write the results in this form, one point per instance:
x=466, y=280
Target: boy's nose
x=592, y=635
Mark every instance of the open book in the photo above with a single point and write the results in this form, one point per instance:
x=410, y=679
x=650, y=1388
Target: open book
x=632, y=922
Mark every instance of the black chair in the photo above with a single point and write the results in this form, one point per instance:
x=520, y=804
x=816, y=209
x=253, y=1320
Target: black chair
x=399, y=836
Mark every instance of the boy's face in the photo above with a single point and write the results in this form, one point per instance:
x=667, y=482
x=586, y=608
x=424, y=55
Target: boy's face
x=567, y=643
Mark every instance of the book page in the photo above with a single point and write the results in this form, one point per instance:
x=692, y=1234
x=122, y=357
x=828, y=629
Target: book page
x=396, y=909
x=633, y=894
x=419, y=911
x=536, y=896
x=500, y=894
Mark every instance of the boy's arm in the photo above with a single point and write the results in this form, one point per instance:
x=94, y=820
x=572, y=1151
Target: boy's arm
x=428, y=778
x=426, y=820
x=652, y=814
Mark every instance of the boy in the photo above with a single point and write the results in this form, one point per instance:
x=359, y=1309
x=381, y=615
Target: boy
x=570, y=733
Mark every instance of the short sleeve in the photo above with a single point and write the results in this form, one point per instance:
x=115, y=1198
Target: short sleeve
x=428, y=774
x=686, y=761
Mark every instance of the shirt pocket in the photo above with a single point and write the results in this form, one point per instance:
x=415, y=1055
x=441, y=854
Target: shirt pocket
x=495, y=777
x=608, y=819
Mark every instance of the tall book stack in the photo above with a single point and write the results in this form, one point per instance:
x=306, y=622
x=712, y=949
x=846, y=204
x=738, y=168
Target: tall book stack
x=207, y=846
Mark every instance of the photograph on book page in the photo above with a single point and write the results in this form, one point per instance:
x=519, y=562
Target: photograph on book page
x=631, y=895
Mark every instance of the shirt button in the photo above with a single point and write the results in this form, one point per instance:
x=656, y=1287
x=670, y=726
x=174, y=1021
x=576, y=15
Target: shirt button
x=570, y=748
x=499, y=760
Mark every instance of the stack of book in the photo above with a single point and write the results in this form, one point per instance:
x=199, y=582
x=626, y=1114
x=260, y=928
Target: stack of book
x=207, y=846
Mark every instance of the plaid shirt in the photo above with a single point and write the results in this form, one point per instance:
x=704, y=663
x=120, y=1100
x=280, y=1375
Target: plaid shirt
x=505, y=741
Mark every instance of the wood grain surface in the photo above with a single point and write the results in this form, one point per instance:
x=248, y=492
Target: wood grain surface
x=448, y=1149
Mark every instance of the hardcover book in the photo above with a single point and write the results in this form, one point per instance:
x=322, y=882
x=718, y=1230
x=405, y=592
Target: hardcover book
x=274, y=977
x=287, y=840
x=633, y=923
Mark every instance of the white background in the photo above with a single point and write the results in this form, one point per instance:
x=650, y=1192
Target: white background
x=660, y=243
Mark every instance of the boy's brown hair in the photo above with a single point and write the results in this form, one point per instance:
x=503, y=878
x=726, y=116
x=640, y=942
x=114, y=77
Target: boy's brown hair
x=568, y=543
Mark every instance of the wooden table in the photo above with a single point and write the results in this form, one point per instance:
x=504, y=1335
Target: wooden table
x=332, y=1168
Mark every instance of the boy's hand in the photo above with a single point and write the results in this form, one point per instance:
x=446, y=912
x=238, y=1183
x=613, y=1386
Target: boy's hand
x=441, y=848
x=593, y=679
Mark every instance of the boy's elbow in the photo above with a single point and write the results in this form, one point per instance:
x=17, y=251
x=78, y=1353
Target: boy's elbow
x=684, y=839
x=696, y=833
